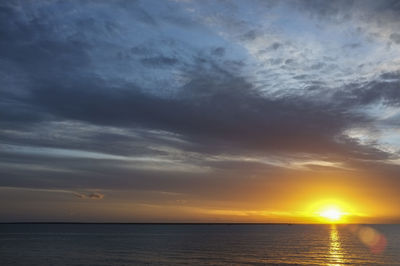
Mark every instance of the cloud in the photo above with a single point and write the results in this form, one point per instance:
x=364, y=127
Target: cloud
x=216, y=109
x=96, y=196
x=395, y=37
x=213, y=97
x=384, y=88
x=159, y=61
x=92, y=195
x=219, y=51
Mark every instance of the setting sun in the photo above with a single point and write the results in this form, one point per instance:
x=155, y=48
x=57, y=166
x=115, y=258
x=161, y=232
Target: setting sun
x=334, y=211
x=331, y=214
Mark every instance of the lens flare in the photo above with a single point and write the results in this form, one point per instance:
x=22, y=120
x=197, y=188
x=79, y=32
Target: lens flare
x=370, y=237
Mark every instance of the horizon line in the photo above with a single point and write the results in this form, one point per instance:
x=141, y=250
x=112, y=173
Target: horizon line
x=196, y=223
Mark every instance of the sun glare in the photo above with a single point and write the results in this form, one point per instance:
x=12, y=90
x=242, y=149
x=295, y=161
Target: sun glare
x=331, y=211
x=331, y=214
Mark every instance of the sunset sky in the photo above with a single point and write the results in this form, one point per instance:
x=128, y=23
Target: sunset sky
x=199, y=111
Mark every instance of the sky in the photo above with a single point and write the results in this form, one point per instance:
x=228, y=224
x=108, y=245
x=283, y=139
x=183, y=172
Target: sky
x=199, y=111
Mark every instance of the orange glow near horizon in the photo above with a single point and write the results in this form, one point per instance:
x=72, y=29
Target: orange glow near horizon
x=325, y=211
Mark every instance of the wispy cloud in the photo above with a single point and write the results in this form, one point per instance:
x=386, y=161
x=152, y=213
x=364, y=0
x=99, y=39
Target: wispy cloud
x=91, y=195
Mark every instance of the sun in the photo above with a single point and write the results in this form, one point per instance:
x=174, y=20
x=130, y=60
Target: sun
x=332, y=211
x=332, y=214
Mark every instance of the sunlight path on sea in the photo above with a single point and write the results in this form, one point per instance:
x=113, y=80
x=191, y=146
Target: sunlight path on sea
x=335, y=249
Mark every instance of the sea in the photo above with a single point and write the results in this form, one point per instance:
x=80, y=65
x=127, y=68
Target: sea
x=198, y=244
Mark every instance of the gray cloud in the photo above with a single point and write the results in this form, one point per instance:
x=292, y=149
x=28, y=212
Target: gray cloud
x=159, y=61
x=213, y=102
x=395, y=37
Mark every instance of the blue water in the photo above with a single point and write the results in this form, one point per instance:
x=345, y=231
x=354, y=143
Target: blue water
x=101, y=244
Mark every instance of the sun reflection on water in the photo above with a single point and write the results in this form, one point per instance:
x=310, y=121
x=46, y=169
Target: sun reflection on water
x=335, y=249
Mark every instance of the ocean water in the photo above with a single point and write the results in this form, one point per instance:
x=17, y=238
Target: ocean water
x=207, y=244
